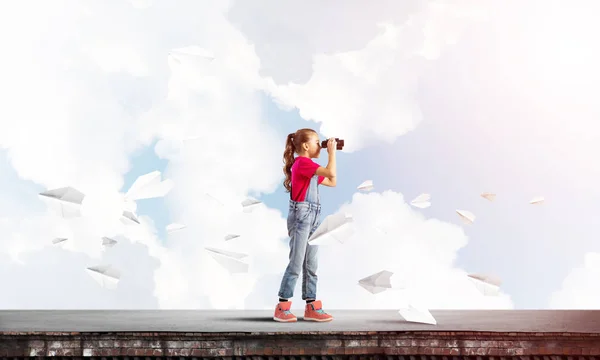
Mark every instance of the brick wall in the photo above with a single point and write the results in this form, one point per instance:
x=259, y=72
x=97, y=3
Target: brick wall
x=444, y=345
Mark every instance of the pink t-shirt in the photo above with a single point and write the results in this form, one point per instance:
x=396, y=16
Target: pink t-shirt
x=302, y=171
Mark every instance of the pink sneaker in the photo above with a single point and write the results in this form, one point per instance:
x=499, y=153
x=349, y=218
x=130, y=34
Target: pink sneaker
x=282, y=312
x=314, y=312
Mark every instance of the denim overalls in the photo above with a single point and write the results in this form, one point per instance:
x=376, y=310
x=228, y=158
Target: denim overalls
x=303, y=219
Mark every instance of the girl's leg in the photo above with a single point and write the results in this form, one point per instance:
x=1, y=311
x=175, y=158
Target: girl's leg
x=309, y=267
x=309, y=273
x=298, y=244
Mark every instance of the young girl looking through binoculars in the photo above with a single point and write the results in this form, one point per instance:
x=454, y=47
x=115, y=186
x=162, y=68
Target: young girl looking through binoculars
x=302, y=179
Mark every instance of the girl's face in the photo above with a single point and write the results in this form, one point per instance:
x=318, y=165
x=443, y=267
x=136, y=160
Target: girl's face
x=314, y=146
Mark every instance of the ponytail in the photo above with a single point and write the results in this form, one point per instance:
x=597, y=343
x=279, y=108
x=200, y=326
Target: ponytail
x=288, y=160
x=293, y=142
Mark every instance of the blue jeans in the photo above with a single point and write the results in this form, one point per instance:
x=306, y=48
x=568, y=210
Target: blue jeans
x=303, y=219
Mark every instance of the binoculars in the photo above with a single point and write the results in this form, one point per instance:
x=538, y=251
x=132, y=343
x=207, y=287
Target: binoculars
x=340, y=144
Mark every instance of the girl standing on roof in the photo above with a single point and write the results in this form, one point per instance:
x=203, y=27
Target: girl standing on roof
x=302, y=179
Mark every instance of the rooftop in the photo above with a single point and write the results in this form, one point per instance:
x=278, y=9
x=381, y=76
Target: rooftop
x=260, y=321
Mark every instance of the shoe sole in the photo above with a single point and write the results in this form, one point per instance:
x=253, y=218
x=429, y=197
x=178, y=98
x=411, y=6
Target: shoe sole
x=317, y=320
x=283, y=320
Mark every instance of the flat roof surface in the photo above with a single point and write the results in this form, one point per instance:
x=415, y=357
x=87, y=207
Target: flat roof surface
x=584, y=321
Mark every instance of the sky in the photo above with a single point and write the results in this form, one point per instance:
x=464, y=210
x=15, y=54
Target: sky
x=450, y=98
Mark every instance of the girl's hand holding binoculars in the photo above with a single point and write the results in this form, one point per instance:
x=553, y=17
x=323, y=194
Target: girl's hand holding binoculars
x=331, y=145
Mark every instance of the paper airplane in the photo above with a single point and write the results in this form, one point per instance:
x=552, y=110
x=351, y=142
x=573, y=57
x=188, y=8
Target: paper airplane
x=488, y=196
x=231, y=236
x=107, y=276
x=366, y=186
x=335, y=227
x=537, y=200
x=192, y=55
x=128, y=217
x=487, y=285
x=66, y=194
x=214, y=200
x=108, y=242
x=69, y=199
x=149, y=186
x=466, y=216
x=58, y=240
x=377, y=283
x=413, y=314
x=250, y=204
x=229, y=260
x=226, y=253
x=421, y=201
x=174, y=227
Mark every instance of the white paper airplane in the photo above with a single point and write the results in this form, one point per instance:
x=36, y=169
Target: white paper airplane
x=149, y=186
x=107, y=276
x=466, y=216
x=129, y=217
x=59, y=240
x=231, y=236
x=108, y=242
x=66, y=194
x=68, y=199
x=488, y=196
x=413, y=314
x=487, y=285
x=192, y=55
x=229, y=260
x=377, y=282
x=250, y=204
x=366, y=185
x=422, y=201
x=214, y=200
x=174, y=227
x=537, y=200
x=226, y=253
x=335, y=227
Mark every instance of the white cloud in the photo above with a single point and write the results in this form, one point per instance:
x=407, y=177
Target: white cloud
x=55, y=278
x=580, y=288
x=80, y=105
x=368, y=95
x=291, y=33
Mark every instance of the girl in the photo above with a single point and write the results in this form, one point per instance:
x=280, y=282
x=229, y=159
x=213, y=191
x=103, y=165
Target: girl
x=302, y=177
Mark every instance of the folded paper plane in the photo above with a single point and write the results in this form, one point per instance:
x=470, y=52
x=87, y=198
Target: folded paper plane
x=466, y=216
x=250, y=204
x=537, y=200
x=412, y=314
x=336, y=227
x=229, y=260
x=149, y=186
x=105, y=275
x=192, y=55
x=66, y=194
x=108, y=242
x=174, y=227
x=129, y=217
x=487, y=285
x=59, y=240
x=488, y=196
x=422, y=201
x=366, y=185
x=69, y=199
x=377, y=283
x=214, y=199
